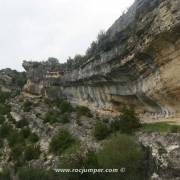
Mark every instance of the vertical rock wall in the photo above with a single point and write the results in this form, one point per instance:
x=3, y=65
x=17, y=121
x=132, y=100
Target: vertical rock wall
x=141, y=67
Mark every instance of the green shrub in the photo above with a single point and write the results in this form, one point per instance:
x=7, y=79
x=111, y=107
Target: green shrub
x=33, y=138
x=78, y=121
x=15, y=138
x=115, y=125
x=19, y=79
x=5, y=175
x=72, y=157
x=118, y=152
x=129, y=122
x=26, y=132
x=5, y=109
x=61, y=141
x=10, y=118
x=100, y=131
x=29, y=173
x=27, y=106
x=5, y=130
x=83, y=111
x=52, y=116
x=4, y=96
x=2, y=119
x=32, y=152
x=77, y=159
x=22, y=123
x=65, y=107
x=1, y=143
x=17, y=153
x=21, y=153
x=48, y=102
x=64, y=118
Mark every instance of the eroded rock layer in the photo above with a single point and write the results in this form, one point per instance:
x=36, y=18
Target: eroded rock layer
x=140, y=67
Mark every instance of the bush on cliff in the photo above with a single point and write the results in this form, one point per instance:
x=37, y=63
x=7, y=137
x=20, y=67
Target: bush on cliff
x=4, y=96
x=65, y=107
x=33, y=138
x=5, y=130
x=32, y=152
x=22, y=123
x=2, y=119
x=19, y=79
x=51, y=116
x=60, y=142
x=15, y=138
x=4, y=109
x=54, y=116
x=16, y=153
x=83, y=111
x=64, y=118
x=25, y=132
x=27, y=106
x=100, y=131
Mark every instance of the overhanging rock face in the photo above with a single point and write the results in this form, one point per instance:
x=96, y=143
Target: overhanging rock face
x=141, y=67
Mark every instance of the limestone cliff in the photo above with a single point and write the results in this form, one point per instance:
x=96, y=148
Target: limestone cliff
x=137, y=65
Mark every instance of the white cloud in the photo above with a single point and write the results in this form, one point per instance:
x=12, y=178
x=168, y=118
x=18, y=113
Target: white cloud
x=38, y=29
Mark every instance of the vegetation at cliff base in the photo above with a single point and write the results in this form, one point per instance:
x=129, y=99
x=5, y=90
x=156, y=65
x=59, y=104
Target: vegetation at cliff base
x=118, y=151
x=126, y=123
x=121, y=151
x=5, y=174
x=129, y=122
x=79, y=159
x=161, y=127
x=31, y=173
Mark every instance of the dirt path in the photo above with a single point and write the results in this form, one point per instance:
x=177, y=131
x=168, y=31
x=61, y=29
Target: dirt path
x=170, y=120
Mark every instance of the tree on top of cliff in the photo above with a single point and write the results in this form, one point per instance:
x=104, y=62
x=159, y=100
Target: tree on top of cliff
x=52, y=60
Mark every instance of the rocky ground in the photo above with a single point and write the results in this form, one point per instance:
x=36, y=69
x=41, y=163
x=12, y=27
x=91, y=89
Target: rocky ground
x=162, y=148
x=45, y=131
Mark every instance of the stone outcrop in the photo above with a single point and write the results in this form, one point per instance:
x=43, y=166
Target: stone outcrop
x=140, y=68
x=164, y=149
x=11, y=81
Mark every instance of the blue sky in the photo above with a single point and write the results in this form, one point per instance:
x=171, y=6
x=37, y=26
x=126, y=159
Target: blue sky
x=38, y=29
